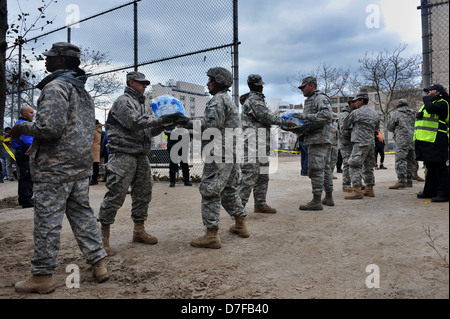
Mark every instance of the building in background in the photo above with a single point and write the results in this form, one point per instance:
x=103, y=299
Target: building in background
x=193, y=96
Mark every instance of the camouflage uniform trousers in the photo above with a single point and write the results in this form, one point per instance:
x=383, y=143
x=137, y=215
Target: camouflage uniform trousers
x=52, y=201
x=405, y=163
x=253, y=179
x=125, y=170
x=320, y=168
x=346, y=151
x=334, y=156
x=361, y=164
x=220, y=186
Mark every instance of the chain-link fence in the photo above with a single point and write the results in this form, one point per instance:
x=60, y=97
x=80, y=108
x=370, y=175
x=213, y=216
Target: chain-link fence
x=173, y=43
x=435, y=32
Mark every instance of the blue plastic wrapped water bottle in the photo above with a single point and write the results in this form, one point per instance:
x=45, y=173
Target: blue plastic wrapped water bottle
x=167, y=104
x=289, y=115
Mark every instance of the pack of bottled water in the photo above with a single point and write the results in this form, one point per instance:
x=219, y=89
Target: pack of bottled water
x=167, y=104
x=289, y=115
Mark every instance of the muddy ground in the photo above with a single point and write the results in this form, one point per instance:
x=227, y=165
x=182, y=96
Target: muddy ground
x=331, y=254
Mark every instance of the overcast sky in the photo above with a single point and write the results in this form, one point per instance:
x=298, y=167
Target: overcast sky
x=283, y=37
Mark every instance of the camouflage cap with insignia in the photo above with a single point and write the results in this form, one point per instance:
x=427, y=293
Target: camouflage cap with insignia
x=306, y=81
x=137, y=77
x=63, y=49
x=255, y=79
x=363, y=96
x=402, y=102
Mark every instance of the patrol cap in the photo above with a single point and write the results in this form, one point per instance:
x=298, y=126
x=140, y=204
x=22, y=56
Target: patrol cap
x=255, y=79
x=402, y=102
x=363, y=96
x=63, y=49
x=221, y=76
x=137, y=77
x=436, y=87
x=306, y=81
x=351, y=99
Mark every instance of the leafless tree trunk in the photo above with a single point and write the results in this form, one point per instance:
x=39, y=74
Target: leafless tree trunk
x=389, y=73
x=3, y=46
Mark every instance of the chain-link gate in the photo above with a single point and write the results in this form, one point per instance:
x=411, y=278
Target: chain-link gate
x=173, y=43
x=435, y=32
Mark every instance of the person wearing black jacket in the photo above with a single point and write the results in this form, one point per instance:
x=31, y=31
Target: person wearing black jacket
x=179, y=159
x=432, y=143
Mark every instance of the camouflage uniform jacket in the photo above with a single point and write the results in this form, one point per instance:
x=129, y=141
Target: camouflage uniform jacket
x=220, y=113
x=318, y=118
x=345, y=135
x=63, y=130
x=365, y=122
x=131, y=125
x=402, y=124
x=256, y=115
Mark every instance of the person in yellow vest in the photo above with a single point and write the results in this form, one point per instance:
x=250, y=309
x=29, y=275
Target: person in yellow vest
x=431, y=137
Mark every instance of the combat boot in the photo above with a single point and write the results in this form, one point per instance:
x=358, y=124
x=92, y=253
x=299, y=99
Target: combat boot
x=369, y=191
x=398, y=186
x=347, y=189
x=100, y=272
x=265, y=210
x=240, y=228
x=356, y=193
x=172, y=179
x=141, y=236
x=315, y=204
x=43, y=284
x=328, y=199
x=210, y=240
x=186, y=179
x=416, y=177
x=105, y=234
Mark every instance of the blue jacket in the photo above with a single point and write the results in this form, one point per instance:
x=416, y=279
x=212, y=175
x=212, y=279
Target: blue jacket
x=24, y=143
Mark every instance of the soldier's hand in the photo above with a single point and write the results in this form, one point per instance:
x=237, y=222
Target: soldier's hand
x=182, y=121
x=170, y=119
x=301, y=116
x=290, y=124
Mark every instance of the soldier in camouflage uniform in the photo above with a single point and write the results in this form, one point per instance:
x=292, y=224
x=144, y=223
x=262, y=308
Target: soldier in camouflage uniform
x=255, y=171
x=345, y=144
x=221, y=179
x=317, y=116
x=61, y=164
x=365, y=121
x=130, y=127
x=401, y=123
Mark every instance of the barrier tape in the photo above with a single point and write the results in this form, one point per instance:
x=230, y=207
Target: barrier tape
x=3, y=140
x=297, y=152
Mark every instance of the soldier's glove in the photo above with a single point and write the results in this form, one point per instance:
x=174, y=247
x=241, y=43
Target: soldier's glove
x=182, y=121
x=170, y=119
x=301, y=116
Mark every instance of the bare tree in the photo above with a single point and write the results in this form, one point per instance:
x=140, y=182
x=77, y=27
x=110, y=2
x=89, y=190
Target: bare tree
x=101, y=87
x=331, y=81
x=16, y=35
x=392, y=76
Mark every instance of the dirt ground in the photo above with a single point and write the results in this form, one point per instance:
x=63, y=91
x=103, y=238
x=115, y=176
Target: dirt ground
x=336, y=253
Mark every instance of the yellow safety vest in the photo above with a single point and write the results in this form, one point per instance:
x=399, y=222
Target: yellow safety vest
x=427, y=128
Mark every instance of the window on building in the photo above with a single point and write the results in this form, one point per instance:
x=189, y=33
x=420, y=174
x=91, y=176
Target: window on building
x=334, y=100
x=343, y=99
